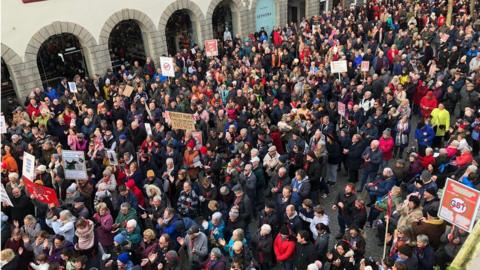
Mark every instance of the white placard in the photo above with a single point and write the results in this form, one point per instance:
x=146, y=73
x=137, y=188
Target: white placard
x=4, y=196
x=28, y=167
x=3, y=125
x=148, y=129
x=72, y=86
x=166, y=64
x=338, y=66
x=74, y=165
x=112, y=157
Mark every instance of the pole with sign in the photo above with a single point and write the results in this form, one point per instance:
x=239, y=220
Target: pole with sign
x=166, y=64
x=459, y=204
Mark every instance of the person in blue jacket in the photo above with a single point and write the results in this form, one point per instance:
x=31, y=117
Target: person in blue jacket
x=381, y=186
x=424, y=135
x=424, y=253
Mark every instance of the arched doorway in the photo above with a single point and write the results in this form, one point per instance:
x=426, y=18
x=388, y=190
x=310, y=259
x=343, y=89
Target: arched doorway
x=179, y=31
x=7, y=83
x=126, y=44
x=60, y=56
x=222, y=18
x=296, y=10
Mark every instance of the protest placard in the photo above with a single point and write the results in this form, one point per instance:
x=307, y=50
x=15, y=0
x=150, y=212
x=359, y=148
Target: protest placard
x=74, y=165
x=166, y=64
x=4, y=196
x=211, y=47
x=365, y=66
x=3, y=125
x=112, y=157
x=41, y=193
x=72, y=86
x=181, y=120
x=341, y=108
x=28, y=166
x=338, y=66
x=459, y=204
x=127, y=92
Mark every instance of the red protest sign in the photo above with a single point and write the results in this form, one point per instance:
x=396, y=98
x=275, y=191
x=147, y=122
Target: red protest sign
x=42, y=194
x=211, y=47
x=459, y=204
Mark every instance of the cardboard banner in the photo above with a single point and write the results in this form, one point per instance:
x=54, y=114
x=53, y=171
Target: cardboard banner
x=74, y=165
x=459, y=204
x=127, y=92
x=28, y=167
x=365, y=66
x=341, y=108
x=42, y=194
x=338, y=66
x=3, y=125
x=72, y=86
x=4, y=196
x=211, y=47
x=166, y=64
x=181, y=120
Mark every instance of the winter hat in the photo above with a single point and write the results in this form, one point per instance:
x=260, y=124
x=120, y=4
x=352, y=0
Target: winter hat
x=120, y=238
x=72, y=188
x=216, y=251
x=224, y=190
x=123, y=258
x=130, y=183
x=203, y=150
x=191, y=144
x=405, y=250
x=42, y=168
x=171, y=256
x=150, y=173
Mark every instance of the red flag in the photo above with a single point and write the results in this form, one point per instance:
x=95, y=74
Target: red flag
x=389, y=204
x=42, y=194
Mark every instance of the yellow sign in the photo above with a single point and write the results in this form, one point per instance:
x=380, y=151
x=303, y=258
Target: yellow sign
x=181, y=120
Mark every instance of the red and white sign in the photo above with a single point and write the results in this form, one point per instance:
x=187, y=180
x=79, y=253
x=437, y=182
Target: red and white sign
x=211, y=47
x=166, y=64
x=459, y=204
x=341, y=108
x=42, y=194
x=365, y=66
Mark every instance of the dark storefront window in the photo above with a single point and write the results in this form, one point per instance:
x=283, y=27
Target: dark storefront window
x=60, y=56
x=126, y=44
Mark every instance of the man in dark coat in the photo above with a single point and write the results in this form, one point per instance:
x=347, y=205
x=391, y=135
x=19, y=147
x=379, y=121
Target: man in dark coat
x=354, y=154
x=304, y=251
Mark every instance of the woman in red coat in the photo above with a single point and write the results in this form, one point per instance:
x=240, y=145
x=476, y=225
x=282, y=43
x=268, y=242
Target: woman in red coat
x=386, y=145
x=284, y=248
x=427, y=104
x=136, y=191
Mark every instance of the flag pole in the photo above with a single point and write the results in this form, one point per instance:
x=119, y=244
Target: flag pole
x=387, y=221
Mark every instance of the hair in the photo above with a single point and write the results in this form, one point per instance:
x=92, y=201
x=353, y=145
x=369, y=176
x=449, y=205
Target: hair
x=101, y=206
x=150, y=234
x=319, y=209
x=400, y=266
x=125, y=205
x=41, y=257
x=322, y=227
x=304, y=234
x=7, y=255
x=423, y=238
x=240, y=233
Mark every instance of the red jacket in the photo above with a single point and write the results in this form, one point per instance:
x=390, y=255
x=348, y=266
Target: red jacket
x=386, y=146
x=136, y=191
x=427, y=104
x=277, y=39
x=427, y=160
x=284, y=249
x=33, y=110
x=463, y=159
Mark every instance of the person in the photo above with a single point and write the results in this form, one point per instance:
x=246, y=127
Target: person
x=341, y=256
x=345, y=204
x=440, y=123
x=262, y=244
x=372, y=159
x=304, y=250
x=284, y=248
x=424, y=252
x=424, y=135
x=452, y=240
x=196, y=245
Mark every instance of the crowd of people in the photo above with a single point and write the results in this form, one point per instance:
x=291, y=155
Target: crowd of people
x=251, y=190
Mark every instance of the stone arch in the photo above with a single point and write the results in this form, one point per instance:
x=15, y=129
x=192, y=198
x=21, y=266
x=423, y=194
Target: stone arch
x=203, y=32
x=94, y=55
x=150, y=35
x=15, y=66
x=240, y=7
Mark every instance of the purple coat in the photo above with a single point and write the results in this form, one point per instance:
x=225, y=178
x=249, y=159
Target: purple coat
x=104, y=230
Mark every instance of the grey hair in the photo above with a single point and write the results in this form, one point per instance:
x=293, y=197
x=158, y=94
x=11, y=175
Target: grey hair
x=125, y=205
x=423, y=238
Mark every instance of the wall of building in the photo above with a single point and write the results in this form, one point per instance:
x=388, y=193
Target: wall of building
x=24, y=27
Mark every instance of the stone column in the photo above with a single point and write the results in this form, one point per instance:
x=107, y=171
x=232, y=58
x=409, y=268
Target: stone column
x=98, y=59
x=312, y=7
x=282, y=12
